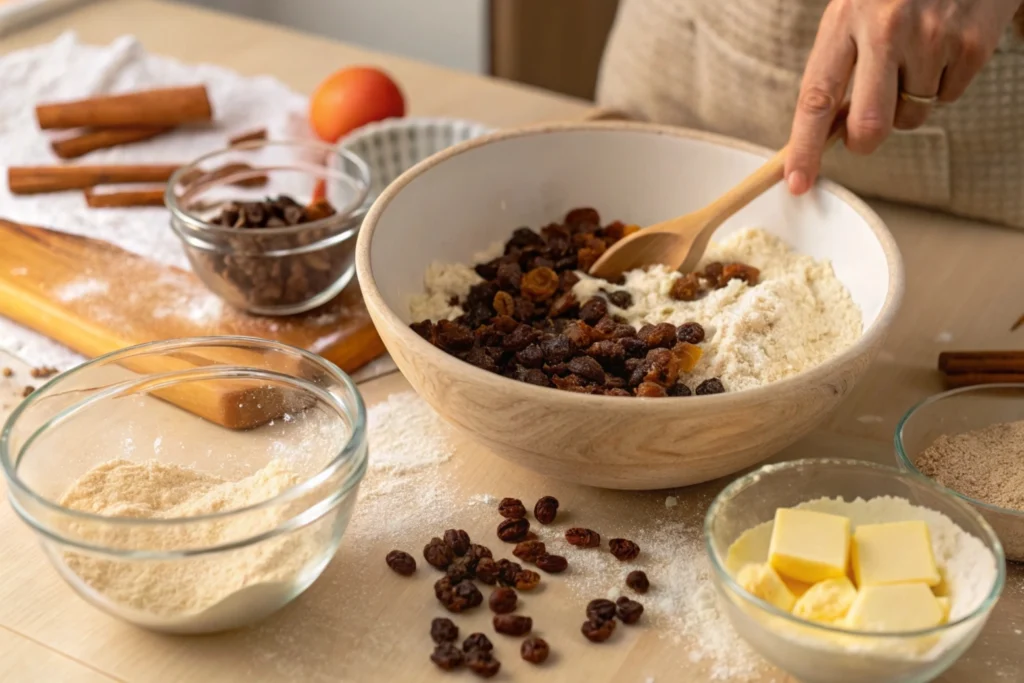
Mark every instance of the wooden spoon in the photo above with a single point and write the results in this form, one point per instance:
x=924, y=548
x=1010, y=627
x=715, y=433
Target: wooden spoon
x=679, y=243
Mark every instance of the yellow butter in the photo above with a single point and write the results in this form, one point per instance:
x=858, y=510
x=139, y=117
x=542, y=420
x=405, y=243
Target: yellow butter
x=795, y=587
x=895, y=552
x=893, y=608
x=827, y=601
x=941, y=589
x=945, y=605
x=809, y=546
x=761, y=580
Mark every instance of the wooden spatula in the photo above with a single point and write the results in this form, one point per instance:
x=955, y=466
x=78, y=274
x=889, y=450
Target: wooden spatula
x=679, y=243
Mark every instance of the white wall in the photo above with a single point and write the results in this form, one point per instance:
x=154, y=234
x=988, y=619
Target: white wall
x=452, y=33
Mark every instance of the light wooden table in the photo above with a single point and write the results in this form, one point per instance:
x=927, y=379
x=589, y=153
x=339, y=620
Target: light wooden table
x=963, y=290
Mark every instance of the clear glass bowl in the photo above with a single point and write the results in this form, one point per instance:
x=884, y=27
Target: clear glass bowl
x=224, y=406
x=274, y=270
x=965, y=410
x=814, y=652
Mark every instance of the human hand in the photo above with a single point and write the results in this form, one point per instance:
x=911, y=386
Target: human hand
x=902, y=56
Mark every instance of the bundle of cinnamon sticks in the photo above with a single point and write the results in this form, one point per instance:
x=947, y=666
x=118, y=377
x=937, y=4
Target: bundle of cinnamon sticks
x=969, y=368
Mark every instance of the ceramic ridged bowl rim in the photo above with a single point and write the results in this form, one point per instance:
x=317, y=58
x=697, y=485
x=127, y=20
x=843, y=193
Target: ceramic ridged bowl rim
x=373, y=130
x=872, y=336
x=353, y=451
x=907, y=463
x=753, y=479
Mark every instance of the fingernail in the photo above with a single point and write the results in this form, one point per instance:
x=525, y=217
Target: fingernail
x=797, y=181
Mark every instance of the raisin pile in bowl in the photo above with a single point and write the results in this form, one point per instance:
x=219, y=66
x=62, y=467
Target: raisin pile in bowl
x=524, y=322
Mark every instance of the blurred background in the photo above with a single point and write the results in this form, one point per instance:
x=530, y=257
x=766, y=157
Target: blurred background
x=521, y=40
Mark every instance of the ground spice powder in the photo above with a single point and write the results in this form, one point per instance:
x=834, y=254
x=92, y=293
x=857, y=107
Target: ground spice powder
x=986, y=464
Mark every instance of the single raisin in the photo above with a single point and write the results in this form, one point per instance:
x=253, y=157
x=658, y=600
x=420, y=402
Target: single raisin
x=479, y=552
x=582, y=216
x=443, y=630
x=477, y=641
x=662, y=335
x=513, y=530
x=504, y=304
x=580, y=334
x=691, y=333
x=628, y=611
x=557, y=349
x=527, y=580
x=552, y=564
x=442, y=586
x=487, y=570
x=623, y=549
x=512, y=624
x=425, y=328
x=564, y=304
x=686, y=288
x=401, y=562
x=662, y=367
x=511, y=508
x=634, y=347
x=638, y=581
x=464, y=595
x=710, y=386
x=519, y=338
x=607, y=352
x=540, y=284
x=453, y=337
x=482, y=358
x=650, y=390
x=482, y=663
x=713, y=274
x=615, y=391
x=583, y=538
x=509, y=276
x=503, y=600
x=587, y=368
x=739, y=271
x=531, y=356
x=507, y=571
x=621, y=299
x=461, y=568
x=598, y=631
x=679, y=389
x=593, y=309
x=529, y=551
x=457, y=540
x=546, y=509
x=532, y=376
x=525, y=237
x=600, y=610
x=534, y=650
x=438, y=554
x=447, y=657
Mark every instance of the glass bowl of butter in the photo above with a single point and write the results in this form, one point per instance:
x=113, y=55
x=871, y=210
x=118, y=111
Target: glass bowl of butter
x=845, y=571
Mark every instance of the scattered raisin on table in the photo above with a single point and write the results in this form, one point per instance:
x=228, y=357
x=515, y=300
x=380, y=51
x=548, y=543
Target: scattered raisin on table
x=513, y=530
x=552, y=564
x=534, y=650
x=461, y=597
x=438, y=554
x=710, y=386
x=503, y=600
x=511, y=508
x=482, y=663
x=546, y=509
x=638, y=581
x=583, y=538
x=600, y=610
x=527, y=580
x=529, y=551
x=507, y=571
x=401, y=562
x=457, y=540
x=477, y=641
x=447, y=656
x=623, y=549
x=598, y=631
x=443, y=630
x=461, y=568
x=442, y=585
x=487, y=570
x=478, y=552
x=628, y=611
x=512, y=624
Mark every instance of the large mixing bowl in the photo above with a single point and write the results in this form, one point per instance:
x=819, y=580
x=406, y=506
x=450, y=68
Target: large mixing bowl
x=464, y=199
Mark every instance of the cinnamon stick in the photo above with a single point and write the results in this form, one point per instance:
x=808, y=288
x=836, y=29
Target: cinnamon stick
x=103, y=138
x=162, y=107
x=35, y=179
x=976, y=362
x=124, y=199
x=974, y=379
x=251, y=136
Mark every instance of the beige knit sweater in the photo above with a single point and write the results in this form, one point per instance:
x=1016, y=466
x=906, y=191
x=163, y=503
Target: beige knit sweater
x=734, y=67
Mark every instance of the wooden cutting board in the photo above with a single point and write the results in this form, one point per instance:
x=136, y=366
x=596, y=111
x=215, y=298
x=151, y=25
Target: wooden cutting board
x=95, y=298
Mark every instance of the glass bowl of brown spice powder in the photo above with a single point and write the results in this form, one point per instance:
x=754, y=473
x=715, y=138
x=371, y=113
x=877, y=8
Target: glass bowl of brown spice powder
x=971, y=441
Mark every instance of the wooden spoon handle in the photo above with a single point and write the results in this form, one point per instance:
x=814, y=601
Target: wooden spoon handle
x=761, y=180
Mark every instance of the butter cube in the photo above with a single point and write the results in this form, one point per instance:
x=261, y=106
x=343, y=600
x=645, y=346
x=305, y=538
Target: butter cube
x=895, y=552
x=941, y=589
x=945, y=605
x=795, y=587
x=761, y=581
x=809, y=546
x=894, y=608
x=827, y=601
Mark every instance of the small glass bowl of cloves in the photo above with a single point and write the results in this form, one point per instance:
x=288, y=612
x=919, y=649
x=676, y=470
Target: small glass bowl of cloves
x=271, y=226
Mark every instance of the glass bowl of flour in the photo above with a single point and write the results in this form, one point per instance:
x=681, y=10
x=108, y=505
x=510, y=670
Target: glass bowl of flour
x=738, y=529
x=190, y=486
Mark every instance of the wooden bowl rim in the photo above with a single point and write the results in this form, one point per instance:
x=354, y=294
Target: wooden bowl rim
x=873, y=336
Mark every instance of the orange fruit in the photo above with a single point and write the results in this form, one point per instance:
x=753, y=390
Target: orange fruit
x=353, y=97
